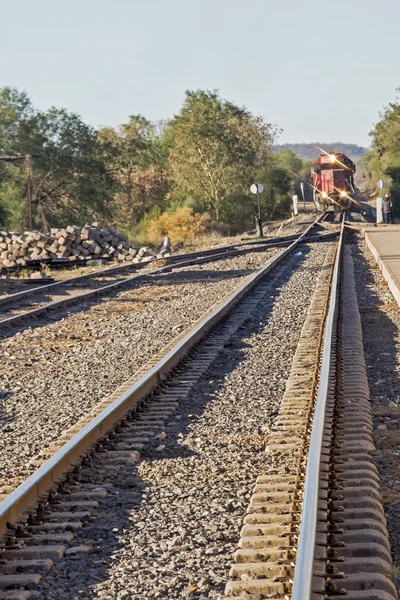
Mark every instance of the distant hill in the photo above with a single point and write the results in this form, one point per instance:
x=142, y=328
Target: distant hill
x=309, y=151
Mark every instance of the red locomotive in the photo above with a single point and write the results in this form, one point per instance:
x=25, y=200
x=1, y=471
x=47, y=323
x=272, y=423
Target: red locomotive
x=333, y=179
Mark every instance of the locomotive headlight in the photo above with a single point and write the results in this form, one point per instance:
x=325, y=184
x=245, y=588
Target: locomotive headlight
x=324, y=194
x=343, y=194
x=332, y=157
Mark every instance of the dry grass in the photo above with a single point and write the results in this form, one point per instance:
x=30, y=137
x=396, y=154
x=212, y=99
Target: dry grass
x=180, y=226
x=63, y=343
x=207, y=240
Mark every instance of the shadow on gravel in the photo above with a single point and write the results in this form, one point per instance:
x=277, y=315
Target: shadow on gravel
x=77, y=577
x=380, y=337
x=382, y=348
x=175, y=278
x=5, y=419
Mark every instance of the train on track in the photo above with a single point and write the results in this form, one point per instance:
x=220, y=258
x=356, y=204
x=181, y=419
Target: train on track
x=333, y=181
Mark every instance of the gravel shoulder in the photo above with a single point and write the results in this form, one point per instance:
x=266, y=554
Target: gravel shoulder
x=177, y=540
x=380, y=316
x=54, y=372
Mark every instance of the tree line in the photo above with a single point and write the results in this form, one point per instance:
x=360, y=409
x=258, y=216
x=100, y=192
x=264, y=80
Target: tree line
x=382, y=161
x=202, y=162
x=311, y=152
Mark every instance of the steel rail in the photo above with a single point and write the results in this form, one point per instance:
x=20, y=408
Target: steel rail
x=34, y=312
x=82, y=263
x=224, y=251
x=303, y=574
x=39, y=483
x=82, y=297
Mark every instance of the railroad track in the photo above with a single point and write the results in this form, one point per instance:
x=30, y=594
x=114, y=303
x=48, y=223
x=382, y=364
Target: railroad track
x=340, y=523
x=17, y=307
x=315, y=527
x=38, y=519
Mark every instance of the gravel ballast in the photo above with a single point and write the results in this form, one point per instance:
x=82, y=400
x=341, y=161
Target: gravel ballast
x=55, y=371
x=380, y=316
x=177, y=540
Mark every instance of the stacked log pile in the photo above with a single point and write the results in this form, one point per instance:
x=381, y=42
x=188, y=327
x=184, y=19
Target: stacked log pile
x=72, y=243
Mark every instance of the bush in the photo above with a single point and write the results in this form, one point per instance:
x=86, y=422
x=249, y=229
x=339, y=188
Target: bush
x=181, y=225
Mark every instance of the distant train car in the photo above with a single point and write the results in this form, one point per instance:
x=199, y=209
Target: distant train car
x=333, y=179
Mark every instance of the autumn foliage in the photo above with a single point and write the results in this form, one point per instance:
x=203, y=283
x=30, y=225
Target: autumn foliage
x=180, y=225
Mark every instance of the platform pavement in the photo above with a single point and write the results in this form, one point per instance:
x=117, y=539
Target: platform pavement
x=384, y=243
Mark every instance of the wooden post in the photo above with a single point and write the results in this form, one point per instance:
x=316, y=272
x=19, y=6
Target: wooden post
x=28, y=162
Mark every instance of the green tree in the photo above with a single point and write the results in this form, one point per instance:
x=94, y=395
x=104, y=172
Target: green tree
x=218, y=148
x=19, y=136
x=70, y=181
x=137, y=155
x=294, y=171
x=289, y=161
x=383, y=161
x=205, y=158
x=18, y=126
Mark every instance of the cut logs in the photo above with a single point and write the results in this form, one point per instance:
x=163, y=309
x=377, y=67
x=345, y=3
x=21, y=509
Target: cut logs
x=72, y=243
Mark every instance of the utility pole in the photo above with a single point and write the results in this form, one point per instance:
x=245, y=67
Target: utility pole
x=28, y=163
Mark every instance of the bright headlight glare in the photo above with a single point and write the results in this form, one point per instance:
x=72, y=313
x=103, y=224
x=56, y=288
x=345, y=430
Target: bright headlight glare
x=332, y=157
x=324, y=194
x=343, y=194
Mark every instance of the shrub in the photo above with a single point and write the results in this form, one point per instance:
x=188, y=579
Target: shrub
x=180, y=225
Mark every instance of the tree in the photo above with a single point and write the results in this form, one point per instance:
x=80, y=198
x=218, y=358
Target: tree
x=19, y=136
x=383, y=161
x=18, y=127
x=297, y=171
x=204, y=159
x=70, y=181
x=179, y=225
x=289, y=161
x=217, y=149
x=137, y=155
x=278, y=192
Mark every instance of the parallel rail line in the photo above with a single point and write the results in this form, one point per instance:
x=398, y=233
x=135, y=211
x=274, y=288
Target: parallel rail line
x=115, y=407
x=37, y=520
x=173, y=262
x=315, y=528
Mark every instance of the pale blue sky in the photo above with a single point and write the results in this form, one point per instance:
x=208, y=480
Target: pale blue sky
x=319, y=69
